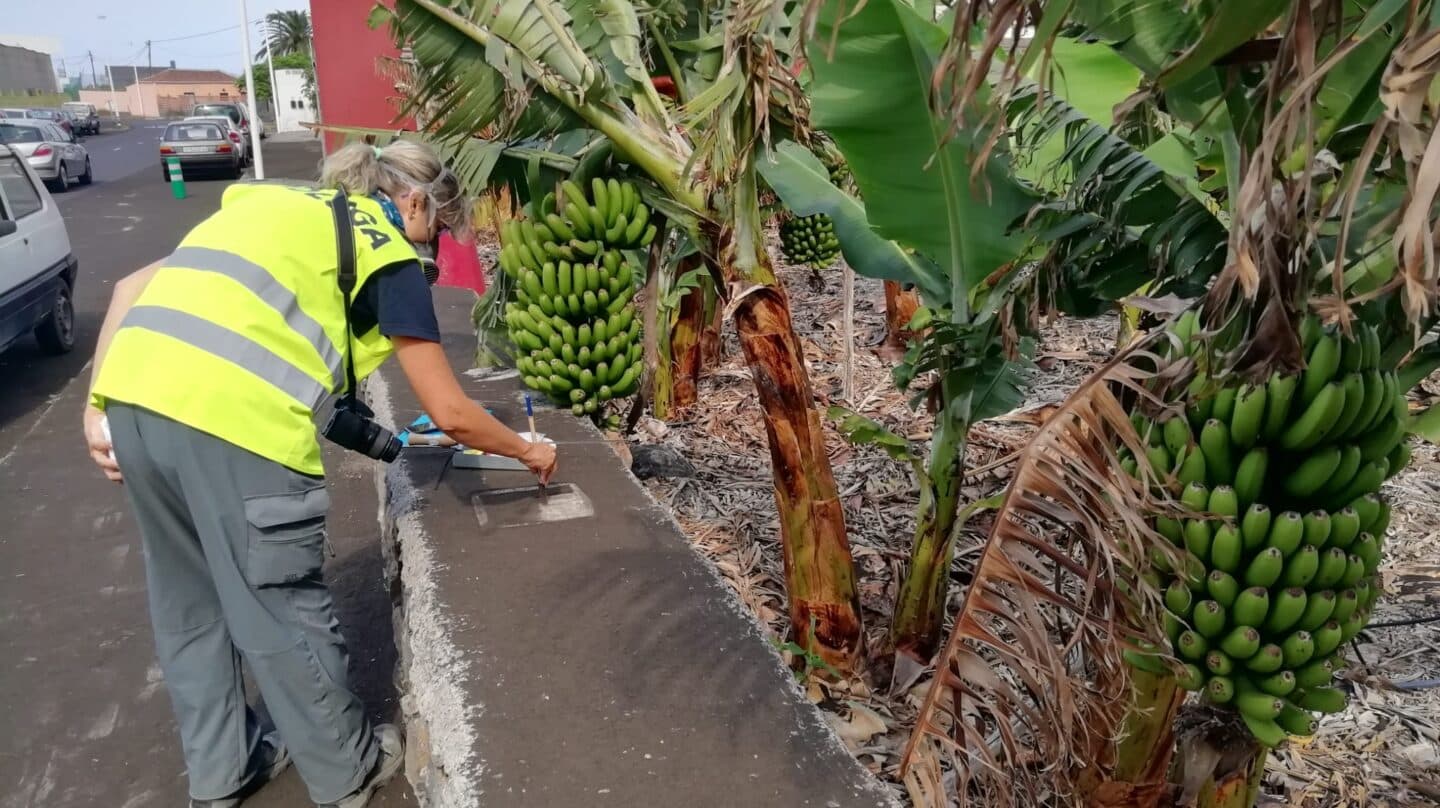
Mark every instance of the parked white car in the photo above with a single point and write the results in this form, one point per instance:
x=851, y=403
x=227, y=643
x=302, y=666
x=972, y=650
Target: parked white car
x=37, y=268
x=242, y=144
x=55, y=154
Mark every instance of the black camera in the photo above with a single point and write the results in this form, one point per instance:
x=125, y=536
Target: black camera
x=352, y=426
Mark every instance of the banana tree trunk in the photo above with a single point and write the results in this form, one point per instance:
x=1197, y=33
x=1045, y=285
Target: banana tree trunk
x=900, y=306
x=918, y=622
x=1217, y=764
x=686, y=337
x=712, y=346
x=819, y=570
x=659, y=381
x=1138, y=778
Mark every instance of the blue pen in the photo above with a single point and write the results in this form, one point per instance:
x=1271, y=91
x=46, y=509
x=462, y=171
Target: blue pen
x=534, y=436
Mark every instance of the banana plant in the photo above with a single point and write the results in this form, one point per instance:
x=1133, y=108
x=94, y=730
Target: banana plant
x=933, y=217
x=1315, y=147
x=537, y=67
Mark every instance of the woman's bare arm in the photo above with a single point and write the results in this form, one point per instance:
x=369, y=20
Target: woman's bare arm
x=434, y=383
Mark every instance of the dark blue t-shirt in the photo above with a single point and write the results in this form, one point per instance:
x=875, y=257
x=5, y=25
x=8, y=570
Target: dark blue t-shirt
x=397, y=298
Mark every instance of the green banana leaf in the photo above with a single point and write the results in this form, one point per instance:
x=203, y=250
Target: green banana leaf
x=1427, y=424
x=1231, y=24
x=803, y=184
x=871, y=94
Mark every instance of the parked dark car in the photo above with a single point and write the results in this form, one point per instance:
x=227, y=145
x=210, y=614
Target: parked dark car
x=86, y=118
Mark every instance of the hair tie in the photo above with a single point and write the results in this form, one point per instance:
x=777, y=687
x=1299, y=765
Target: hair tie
x=378, y=151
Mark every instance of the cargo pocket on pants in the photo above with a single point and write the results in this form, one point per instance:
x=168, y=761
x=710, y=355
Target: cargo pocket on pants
x=287, y=536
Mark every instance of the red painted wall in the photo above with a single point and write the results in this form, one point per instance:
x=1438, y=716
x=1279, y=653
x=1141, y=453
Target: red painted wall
x=347, y=57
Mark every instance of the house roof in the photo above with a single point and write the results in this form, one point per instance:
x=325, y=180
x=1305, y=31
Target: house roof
x=182, y=76
x=124, y=75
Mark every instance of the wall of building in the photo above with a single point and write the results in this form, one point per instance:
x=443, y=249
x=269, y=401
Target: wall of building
x=348, y=53
x=151, y=100
x=24, y=71
x=290, y=99
x=101, y=100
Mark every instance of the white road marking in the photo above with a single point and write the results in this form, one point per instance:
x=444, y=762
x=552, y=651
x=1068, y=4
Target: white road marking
x=54, y=400
x=104, y=723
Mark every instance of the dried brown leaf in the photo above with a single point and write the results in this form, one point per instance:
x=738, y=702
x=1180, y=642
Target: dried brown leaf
x=1029, y=683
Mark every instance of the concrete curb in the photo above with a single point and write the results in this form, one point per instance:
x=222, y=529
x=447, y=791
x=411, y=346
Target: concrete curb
x=439, y=751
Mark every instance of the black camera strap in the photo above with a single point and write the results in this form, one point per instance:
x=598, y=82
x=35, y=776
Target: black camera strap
x=345, y=270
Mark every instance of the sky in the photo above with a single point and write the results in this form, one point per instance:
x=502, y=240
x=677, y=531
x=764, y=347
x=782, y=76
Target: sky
x=116, y=31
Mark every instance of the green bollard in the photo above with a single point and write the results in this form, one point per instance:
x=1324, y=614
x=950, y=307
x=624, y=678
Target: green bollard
x=177, y=179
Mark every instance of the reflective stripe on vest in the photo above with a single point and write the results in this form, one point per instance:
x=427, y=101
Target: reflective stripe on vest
x=259, y=281
x=240, y=333
x=228, y=345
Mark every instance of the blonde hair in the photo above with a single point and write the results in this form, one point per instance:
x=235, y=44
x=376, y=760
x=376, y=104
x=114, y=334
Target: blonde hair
x=400, y=168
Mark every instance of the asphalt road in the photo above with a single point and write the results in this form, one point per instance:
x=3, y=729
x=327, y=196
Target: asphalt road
x=89, y=722
x=115, y=155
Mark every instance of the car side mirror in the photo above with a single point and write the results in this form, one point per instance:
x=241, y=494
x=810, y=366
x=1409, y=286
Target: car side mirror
x=7, y=227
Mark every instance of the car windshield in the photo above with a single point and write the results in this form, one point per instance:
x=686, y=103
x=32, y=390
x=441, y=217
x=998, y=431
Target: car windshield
x=10, y=133
x=193, y=131
x=83, y=109
x=224, y=110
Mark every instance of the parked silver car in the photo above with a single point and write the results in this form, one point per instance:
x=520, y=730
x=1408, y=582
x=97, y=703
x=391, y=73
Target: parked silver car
x=200, y=146
x=50, y=151
x=231, y=131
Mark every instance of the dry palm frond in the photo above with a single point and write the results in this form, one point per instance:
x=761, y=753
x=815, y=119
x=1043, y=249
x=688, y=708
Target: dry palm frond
x=1030, y=686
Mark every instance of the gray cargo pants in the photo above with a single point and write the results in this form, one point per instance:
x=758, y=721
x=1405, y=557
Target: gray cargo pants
x=233, y=546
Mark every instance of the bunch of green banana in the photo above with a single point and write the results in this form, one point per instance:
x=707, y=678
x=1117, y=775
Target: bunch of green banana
x=809, y=240
x=574, y=322
x=612, y=216
x=1281, y=527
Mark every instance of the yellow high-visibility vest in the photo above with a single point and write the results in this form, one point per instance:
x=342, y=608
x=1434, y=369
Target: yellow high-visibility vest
x=241, y=332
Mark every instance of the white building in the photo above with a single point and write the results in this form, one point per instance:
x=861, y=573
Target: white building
x=292, y=106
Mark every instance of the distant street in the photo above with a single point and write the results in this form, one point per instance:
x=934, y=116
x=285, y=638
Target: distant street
x=93, y=725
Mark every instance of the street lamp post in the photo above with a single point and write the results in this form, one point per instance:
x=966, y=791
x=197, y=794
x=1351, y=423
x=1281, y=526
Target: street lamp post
x=114, y=110
x=255, y=122
x=274, y=97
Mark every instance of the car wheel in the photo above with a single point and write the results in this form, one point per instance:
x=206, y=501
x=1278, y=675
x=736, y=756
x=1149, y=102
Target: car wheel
x=237, y=170
x=164, y=172
x=62, y=180
x=88, y=176
x=56, y=333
